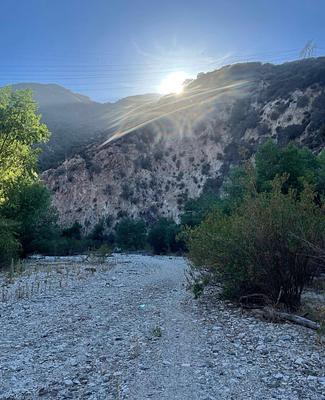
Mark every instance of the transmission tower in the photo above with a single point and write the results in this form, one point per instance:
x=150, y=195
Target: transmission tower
x=308, y=50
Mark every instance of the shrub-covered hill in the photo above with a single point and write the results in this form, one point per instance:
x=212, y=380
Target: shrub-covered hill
x=191, y=142
x=73, y=119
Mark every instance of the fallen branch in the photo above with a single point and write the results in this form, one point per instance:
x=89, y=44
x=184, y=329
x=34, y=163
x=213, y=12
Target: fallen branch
x=270, y=314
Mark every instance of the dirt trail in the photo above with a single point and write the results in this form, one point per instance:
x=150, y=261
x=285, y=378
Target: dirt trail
x=132, y=332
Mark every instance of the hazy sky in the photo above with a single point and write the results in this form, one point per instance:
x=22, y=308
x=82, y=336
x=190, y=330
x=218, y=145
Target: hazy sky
x=108, y=49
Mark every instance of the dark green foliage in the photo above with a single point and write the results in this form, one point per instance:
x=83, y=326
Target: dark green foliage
x=266, y=245
x=63, y=246
x=131, y=234
x=98, y=235
x=9, y=245
x=162, y=236
x=234, y=188
x=74, y=232
x=30, y=207
x=196, y=209
x=299, y=163
x=264, y=232
x=289, y=133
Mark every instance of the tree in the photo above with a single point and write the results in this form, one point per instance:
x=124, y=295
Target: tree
x=30, y=207
x=20, y=132
x=162, y=236
x=73, y=232
x=97, y=235
x=196, y=209
x=299, y=163
x=131, y=234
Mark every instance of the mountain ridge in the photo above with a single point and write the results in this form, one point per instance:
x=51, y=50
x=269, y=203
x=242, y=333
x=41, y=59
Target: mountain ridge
x=190, y=142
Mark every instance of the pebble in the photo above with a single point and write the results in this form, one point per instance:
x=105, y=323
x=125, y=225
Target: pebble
x=91, y=341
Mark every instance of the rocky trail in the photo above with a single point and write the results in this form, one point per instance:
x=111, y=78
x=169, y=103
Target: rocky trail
x=130, y=330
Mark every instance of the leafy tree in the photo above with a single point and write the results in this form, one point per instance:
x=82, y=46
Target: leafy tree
x=74, y=232
x=131, y=234
x=20, y=132
x=299, y=163
x=98, y=236
x=196, y=209
x=30, y=207
x=235, y=187
x=162, y=236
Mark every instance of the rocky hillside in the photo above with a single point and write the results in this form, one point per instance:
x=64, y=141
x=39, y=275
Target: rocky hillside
x=74, y=120
x=190, y=141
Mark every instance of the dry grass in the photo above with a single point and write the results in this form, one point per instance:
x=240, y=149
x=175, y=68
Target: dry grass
x=313, y=304
x=27, y=279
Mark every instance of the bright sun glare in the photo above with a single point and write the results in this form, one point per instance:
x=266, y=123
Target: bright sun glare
x=173, y=83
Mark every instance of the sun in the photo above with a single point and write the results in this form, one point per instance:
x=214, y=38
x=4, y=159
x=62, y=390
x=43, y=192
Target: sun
x=173, y=83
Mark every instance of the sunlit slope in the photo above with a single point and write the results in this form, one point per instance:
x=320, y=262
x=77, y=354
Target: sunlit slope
x=158, y=153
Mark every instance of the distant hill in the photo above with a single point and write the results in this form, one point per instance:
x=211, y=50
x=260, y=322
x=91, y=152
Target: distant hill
x=74, y=120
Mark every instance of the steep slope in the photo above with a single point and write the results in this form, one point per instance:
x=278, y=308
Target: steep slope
x=191, y=141
x=73, y=119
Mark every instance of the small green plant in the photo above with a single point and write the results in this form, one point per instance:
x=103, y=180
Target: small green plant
x=157, y=332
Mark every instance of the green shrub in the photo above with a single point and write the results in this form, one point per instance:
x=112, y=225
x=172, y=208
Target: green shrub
x=196, y=209
x=265, y=246
x=62, y=246
x=131, y=234
x=74, y=232
x=98, y=236
x=299, y=163
x=162, y=236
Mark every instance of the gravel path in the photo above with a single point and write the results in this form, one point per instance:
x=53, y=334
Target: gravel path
x=132, y=332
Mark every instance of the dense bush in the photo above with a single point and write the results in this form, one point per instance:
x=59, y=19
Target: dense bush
x=30, y=207
x=265, y=246
x=162, y=236
x=299, y=163
x=73, y=232
x=131, y=234
x=196, y=209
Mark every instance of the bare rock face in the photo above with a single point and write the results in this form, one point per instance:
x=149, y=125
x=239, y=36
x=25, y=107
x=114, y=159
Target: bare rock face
x=190, y=141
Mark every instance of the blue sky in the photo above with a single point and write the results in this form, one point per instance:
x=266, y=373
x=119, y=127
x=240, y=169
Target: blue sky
x=108, y=49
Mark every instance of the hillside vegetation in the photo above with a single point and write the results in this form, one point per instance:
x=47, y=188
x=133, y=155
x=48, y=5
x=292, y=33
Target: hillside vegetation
x=219, y=121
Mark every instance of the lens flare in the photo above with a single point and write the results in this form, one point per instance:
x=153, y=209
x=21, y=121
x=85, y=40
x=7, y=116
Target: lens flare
x=180, y=114
x=173, y=83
